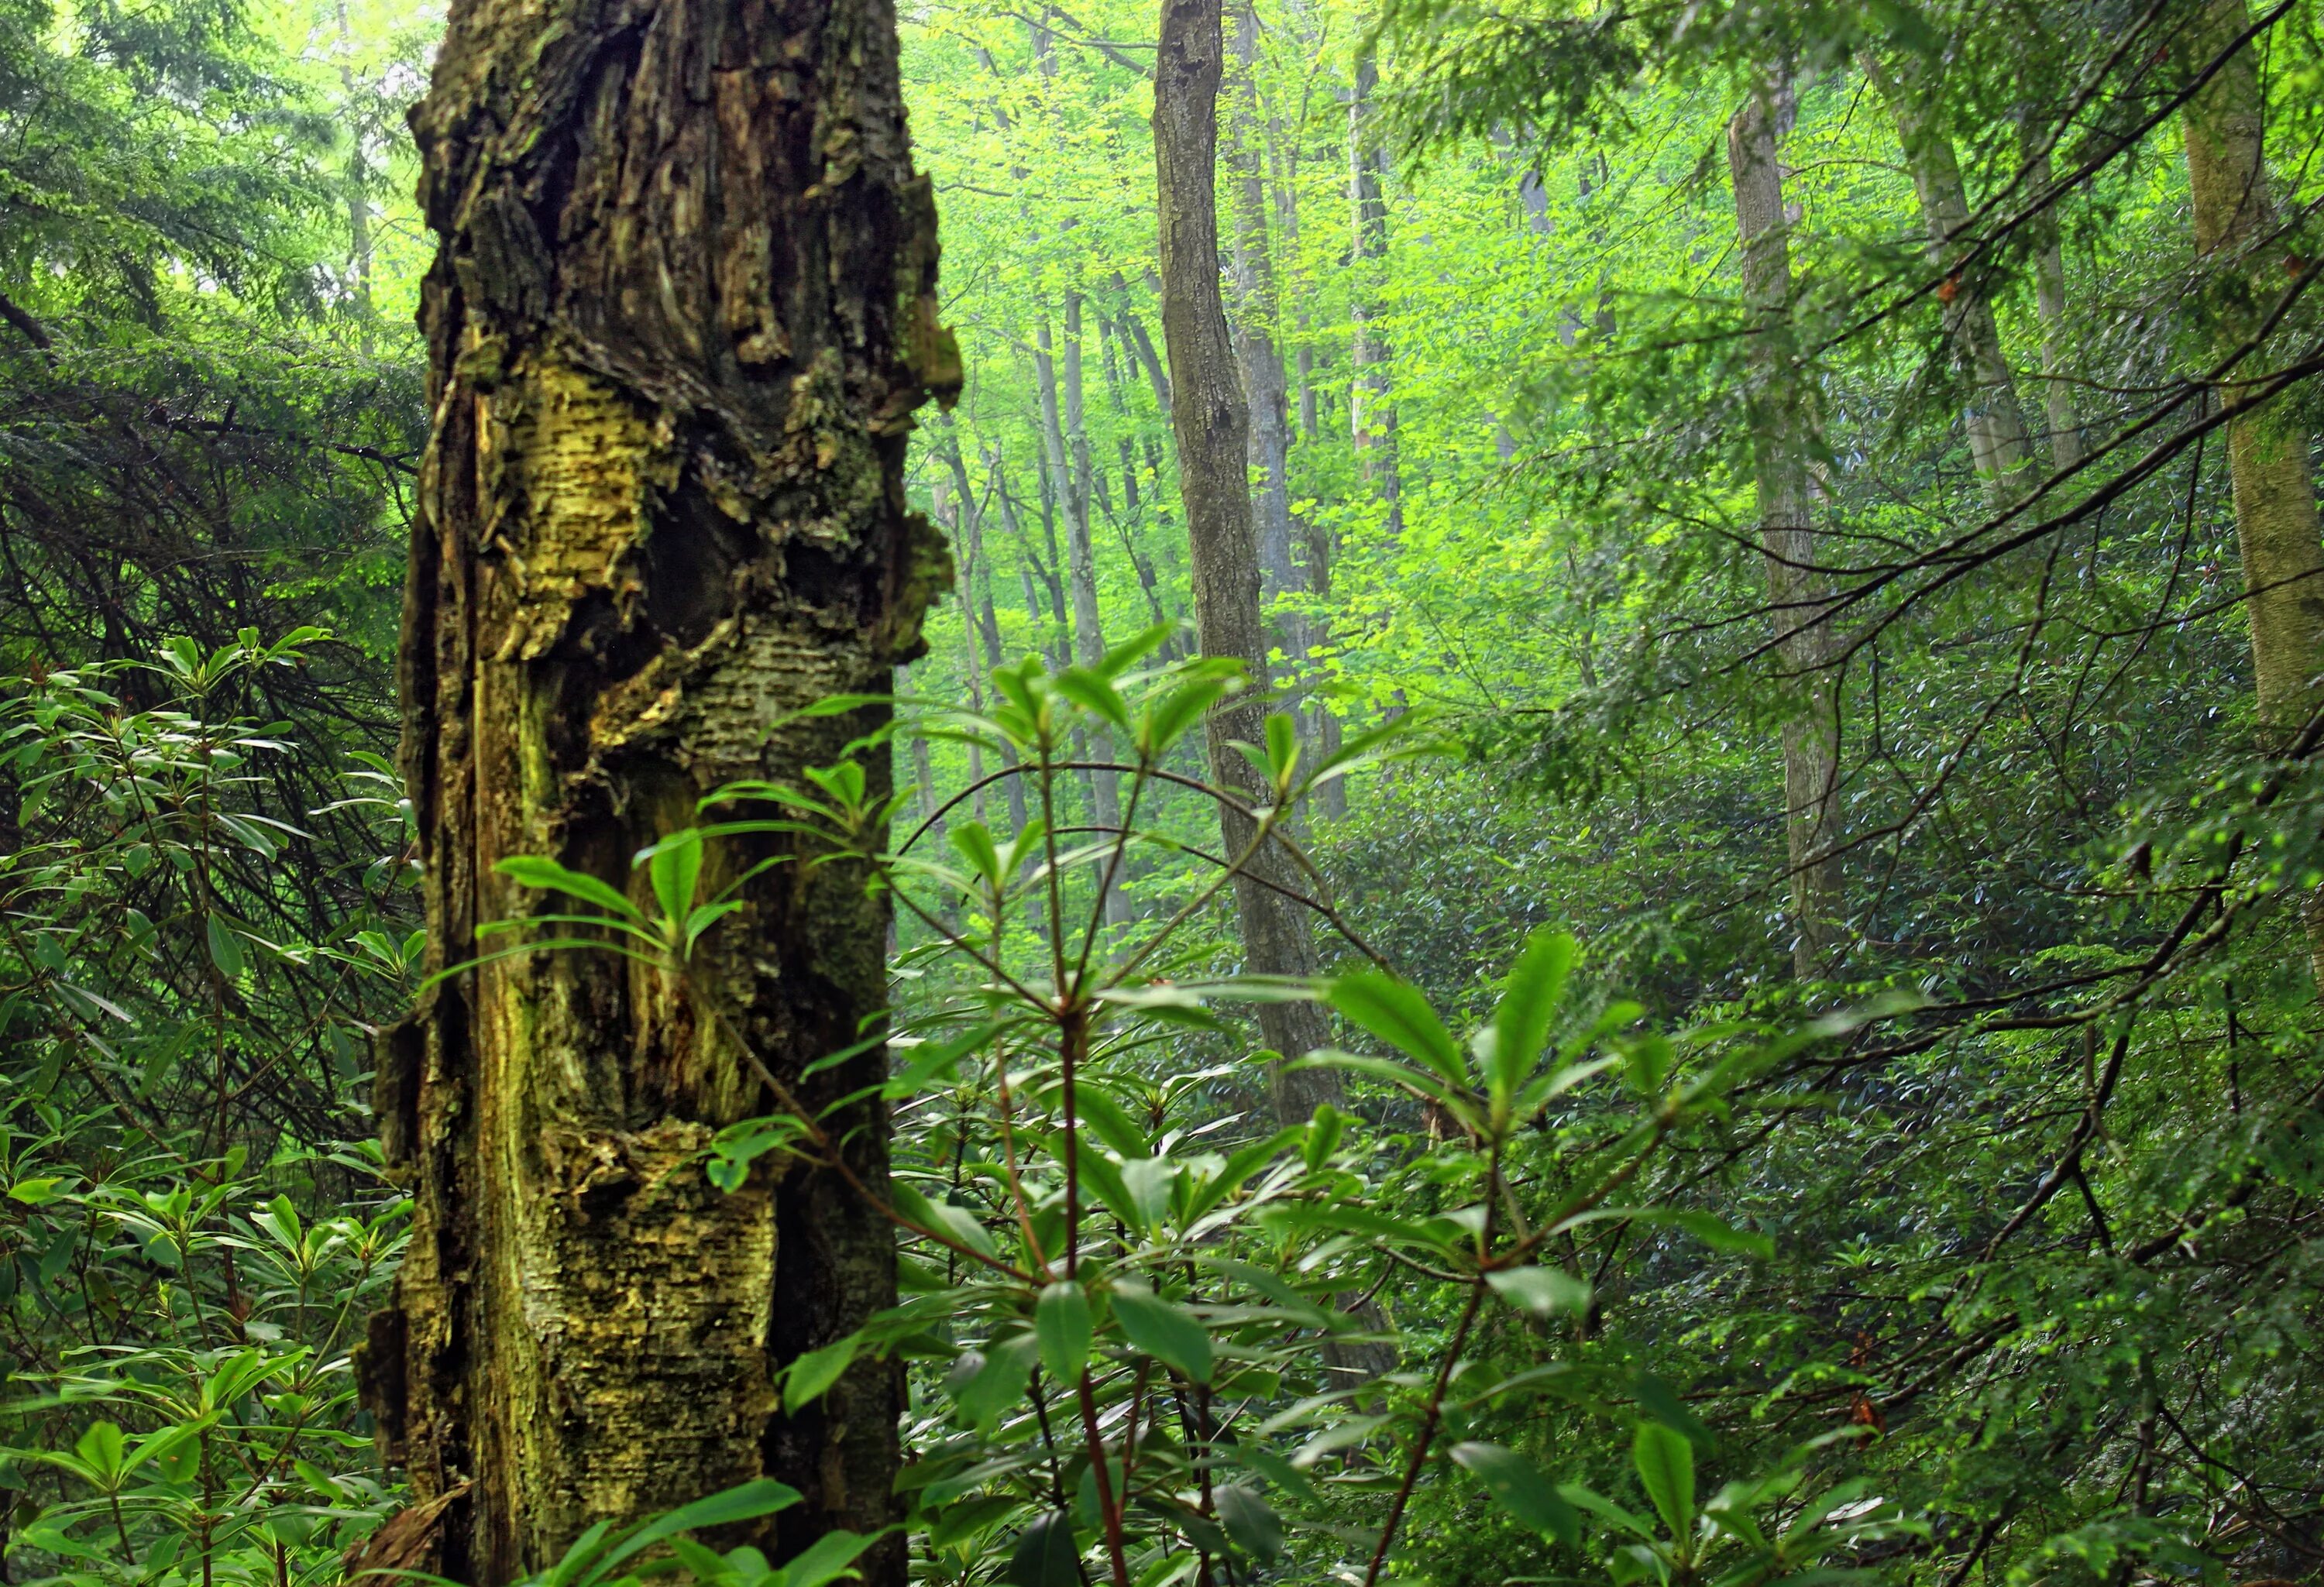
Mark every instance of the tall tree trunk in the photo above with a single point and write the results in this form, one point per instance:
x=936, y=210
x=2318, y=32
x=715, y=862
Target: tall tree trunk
x=984, y=619
x=673, y=358
x=1997, y=428
x=1212, y=431
x=1781, y=417
x=1089, y=628
x=358, y=180
x=1371, y=404
x=1283, y=166
x=2049, y=304
x=2276, y=523
x=1261, y=359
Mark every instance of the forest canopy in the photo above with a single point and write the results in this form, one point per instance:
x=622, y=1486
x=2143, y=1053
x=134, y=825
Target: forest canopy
x=1208, y=791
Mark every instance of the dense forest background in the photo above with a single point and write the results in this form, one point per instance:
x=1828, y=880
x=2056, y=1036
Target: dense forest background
x=1813, y=501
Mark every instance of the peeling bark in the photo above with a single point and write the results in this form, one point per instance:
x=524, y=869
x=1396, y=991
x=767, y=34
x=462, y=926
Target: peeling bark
x=682, y=310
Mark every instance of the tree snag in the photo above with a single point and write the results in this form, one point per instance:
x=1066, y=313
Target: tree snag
x=681, y=314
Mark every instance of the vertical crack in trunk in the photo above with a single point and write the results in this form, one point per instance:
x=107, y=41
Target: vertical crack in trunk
x=683, y=309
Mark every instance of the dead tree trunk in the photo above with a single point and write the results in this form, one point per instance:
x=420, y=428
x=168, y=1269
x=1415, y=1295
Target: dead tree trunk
x=681, y=313
x=1212, y=425
x=2276, y=521
x=1780, y=416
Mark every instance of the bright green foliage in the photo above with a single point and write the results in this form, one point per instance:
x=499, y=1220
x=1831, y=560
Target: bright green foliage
x=184, y=1029
x=1992, y=1253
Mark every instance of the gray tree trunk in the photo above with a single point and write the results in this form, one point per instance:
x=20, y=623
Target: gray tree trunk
x=1089, y=628
x=1212, y=426
x=1256, y=313
x=1997, y=440
x=1781, y=417
x=1371, y=402
x=2058, y=408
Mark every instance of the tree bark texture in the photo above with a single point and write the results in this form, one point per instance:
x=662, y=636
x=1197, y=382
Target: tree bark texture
x=1781, y=417
x=1264, y=387
x=681, y=313
x=1997, y=441
x=1212, y=426
x=2277, y=530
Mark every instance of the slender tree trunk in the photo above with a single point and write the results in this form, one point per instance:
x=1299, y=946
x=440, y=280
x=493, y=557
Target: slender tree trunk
x=2057, y=410
x=1213, y=427
x=2276, y=522
x=1089, y=628
x=1371, y=405
x=358, y=179
x=673, y=358
x=1262, y=361
x=1781, y=417
x=985, y=619
x=1134, y=329
x=1997, y=426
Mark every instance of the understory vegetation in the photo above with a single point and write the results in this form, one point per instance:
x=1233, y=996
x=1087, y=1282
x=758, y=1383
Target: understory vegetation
x=1788, y=746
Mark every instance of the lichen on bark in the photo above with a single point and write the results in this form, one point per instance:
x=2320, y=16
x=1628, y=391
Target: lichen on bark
x=683, y=310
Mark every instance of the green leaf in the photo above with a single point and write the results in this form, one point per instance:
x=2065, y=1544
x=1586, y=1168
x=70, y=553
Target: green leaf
x=936, y=1061
x=809, y=1377
x=1249, y=1521
x=1649, y=1058
x=1282, y=749
x=1529, y=1006
x=764, y=1497
x=975, y=842
x=1720, y=1235
x=1167, y=719
x=535, y=871
x=958, y=1224
x=1148, y=1181
x=1520, y=1489
x=101, y=1448
x=675, y=867
x=1104, y=1118
x=1666, y=1462
x=999, y=1383
x=1542, y=1290
x=1046, y=1554
x=1094, y=695
x=1122, y=657
x=1062, y=1319
x=1277, y=1470
x=1399, y=1015
x=33, y=1192
x=226, y=949
x=827, y=1559
x=1167, y=1333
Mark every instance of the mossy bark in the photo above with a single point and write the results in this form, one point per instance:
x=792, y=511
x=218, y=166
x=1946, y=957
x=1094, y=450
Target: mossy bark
x=683, y=309
x=2277, y=528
